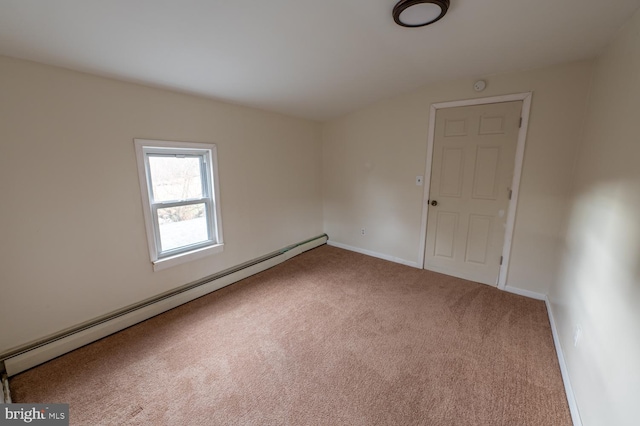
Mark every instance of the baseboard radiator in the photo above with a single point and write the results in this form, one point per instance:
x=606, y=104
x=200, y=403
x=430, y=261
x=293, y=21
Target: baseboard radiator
x=22, y=358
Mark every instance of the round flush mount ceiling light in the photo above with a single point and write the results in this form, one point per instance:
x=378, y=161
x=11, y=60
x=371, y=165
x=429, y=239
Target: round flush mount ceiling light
x=418, y=13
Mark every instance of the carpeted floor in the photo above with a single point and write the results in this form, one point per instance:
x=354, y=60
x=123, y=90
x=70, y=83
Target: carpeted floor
x=330, y=337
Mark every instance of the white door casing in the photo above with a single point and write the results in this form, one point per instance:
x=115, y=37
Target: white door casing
x=474, y=162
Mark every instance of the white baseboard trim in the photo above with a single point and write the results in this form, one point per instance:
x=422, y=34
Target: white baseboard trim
x=526, y=293
x=571, y=398
x=57, y=346
x=374, y=254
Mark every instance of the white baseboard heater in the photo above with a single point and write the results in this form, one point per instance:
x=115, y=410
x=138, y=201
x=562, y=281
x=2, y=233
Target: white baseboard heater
x=20, y=359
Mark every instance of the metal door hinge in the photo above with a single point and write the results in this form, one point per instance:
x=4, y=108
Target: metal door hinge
x=520, y=125
x=501, y=260
x=510, y=193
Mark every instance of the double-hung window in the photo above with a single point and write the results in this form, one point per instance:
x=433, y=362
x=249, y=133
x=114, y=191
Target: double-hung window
x=179, y=183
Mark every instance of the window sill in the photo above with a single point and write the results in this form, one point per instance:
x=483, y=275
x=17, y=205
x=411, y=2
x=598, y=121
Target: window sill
x=178, y=259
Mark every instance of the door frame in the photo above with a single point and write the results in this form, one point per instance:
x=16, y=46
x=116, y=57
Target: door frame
x=525, y=97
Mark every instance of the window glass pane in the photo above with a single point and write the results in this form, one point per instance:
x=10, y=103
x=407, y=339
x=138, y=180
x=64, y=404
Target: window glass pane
x=182, y=226
x=175, y=178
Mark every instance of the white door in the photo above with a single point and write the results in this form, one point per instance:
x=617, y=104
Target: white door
x=471, y=174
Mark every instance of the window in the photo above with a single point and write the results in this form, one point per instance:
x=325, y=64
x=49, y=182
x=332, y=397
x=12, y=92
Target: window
x=179, y=184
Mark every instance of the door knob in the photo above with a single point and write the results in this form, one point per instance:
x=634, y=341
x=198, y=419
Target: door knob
x=434, y=203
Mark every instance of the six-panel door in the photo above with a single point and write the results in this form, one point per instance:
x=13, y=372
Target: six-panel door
x=472, y=170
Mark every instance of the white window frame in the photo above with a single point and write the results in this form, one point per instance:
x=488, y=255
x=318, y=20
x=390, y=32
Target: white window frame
x=211, y=198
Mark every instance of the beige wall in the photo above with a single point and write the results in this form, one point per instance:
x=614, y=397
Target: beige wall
x=599, y=281
x=73, y=242
x=371, y=159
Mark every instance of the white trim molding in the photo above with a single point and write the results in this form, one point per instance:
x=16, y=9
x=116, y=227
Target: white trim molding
x=526, y=293
x=515, y=186
x=374, y=254
x=571, y=398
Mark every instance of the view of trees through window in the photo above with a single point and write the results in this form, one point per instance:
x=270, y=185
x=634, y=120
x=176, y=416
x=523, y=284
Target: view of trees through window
x=179, y=178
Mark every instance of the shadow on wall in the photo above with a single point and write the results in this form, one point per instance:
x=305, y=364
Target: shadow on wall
x=600, y=287
x=383, y=202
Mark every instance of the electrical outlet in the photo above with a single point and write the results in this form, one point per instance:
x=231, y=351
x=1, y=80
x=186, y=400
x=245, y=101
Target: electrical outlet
x=577, y=334
x=363, y=232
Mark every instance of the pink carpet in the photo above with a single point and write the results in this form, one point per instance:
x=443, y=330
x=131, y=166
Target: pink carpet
x=329, y=337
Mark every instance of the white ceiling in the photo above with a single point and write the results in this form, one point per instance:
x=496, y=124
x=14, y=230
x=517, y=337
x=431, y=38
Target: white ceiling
x=314, y=59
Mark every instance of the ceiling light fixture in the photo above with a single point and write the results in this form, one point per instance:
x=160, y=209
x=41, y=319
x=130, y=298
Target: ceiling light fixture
x=418, y=13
